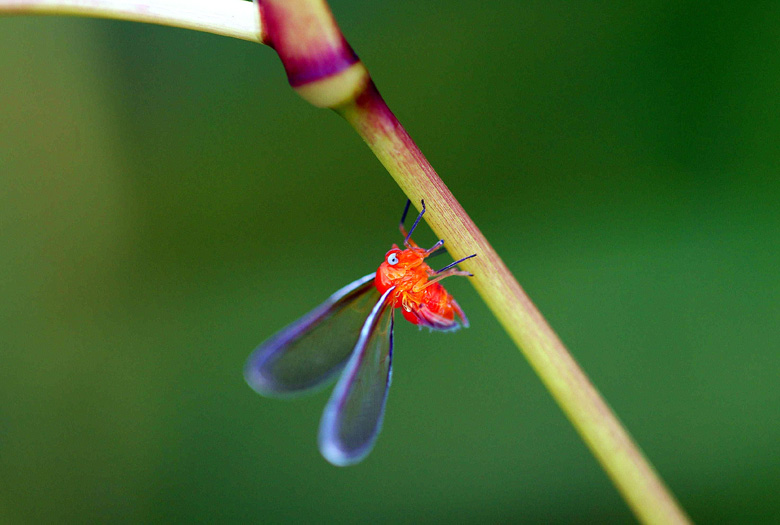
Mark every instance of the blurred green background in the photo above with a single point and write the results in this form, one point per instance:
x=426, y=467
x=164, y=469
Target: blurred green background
x=167, y=203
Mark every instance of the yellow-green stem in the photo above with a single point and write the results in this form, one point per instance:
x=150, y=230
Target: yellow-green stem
x=367, y=113
x=597, y=424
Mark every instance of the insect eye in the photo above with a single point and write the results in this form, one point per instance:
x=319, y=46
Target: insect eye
x=392, y=259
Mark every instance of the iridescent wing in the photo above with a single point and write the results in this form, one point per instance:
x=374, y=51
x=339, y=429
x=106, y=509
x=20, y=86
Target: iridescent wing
x=312, y=350
x=353, y=416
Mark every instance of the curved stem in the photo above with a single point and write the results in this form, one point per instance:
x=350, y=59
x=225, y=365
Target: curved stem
x=233, y=18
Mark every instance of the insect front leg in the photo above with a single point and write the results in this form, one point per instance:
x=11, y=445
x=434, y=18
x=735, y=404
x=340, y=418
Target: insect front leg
x=455, y=264
x=443, y=275
x=433, y=248
x=408, y=242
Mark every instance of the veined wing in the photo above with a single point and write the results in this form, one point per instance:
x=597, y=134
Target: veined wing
x=353, y=416
x=310, y=351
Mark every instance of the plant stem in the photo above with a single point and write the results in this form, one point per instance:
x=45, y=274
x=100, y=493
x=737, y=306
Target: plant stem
x=309, y=44
x=233, y=18
x=594, y=420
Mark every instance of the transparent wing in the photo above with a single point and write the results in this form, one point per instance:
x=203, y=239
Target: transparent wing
x=312, y=350
x=353, y=416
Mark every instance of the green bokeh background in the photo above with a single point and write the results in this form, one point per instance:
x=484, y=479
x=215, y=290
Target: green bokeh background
x=167, y=202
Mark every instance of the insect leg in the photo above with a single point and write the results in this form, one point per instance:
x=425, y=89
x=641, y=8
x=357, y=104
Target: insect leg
x=403, y=218
x=456, y=263
x=408, y=242
x=443, y=275
x=430, y=251
x=439, y=251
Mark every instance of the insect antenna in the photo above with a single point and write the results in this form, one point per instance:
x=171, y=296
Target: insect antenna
x=456, y=263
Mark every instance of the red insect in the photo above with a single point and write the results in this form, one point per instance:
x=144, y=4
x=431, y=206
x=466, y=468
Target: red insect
x=422, y=300
x=352, y=334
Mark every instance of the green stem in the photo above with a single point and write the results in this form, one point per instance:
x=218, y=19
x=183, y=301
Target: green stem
x=348, y=89
x=633, y=475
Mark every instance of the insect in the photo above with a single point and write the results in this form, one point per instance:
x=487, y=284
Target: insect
x=351, y=334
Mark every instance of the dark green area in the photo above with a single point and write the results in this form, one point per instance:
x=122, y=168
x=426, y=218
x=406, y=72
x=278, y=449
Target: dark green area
x=167, y=202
